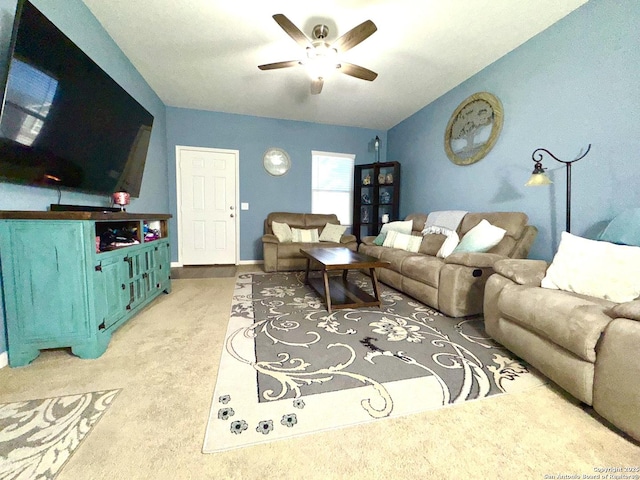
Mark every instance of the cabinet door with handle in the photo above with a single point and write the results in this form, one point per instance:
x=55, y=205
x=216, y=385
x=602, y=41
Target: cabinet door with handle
x=111, y=280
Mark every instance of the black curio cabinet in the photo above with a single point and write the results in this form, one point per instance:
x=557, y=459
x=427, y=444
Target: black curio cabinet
x=376, y=197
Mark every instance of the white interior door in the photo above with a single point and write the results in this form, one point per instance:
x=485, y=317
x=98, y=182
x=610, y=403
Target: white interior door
x=207, y=197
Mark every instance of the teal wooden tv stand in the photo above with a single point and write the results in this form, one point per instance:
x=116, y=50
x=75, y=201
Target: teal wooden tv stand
x=61, y=290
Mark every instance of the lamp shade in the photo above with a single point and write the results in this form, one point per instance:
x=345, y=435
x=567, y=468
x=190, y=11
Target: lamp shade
x=538, y=179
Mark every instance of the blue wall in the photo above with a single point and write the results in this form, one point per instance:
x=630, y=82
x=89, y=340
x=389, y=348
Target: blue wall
x=573, y=84
x=252, y=136
x=79, y=24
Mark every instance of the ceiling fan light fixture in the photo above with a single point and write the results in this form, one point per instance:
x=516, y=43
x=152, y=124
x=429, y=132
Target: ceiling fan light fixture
x=321, y=61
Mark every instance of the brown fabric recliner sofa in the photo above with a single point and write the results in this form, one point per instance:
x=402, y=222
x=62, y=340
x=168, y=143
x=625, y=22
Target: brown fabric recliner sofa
x=586, y=345
x=284, y=257
x=454, y=285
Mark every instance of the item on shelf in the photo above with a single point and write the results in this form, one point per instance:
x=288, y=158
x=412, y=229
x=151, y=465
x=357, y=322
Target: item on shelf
x=366, y=198
x=150, y=234
x=389, y=179
x=117, y=237
x=381, y=179
x=366, y=180
x=385, y=197
x=365, y=215
x=385, y=218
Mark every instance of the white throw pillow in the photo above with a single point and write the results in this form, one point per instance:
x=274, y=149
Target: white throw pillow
x=595, y=268
x=282, y=231
x=332, y=232
x=399, y=226
x=305, y=235
x=410, y=243
x=481, y=238
x=449, y=245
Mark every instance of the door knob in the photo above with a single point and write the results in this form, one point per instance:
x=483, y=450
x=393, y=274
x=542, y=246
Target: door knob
x=231, y=215
x=231, y=207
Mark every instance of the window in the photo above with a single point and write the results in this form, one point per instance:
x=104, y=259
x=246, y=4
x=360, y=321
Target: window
x=332, y=185
x=30, y=93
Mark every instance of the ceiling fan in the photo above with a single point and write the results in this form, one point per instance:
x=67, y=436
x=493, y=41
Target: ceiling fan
x=321, y=57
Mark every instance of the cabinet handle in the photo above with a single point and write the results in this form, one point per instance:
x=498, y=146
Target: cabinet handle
x=128, y=307
x=98, y=268
x=127, y=259
x=123, y=286
x=102, y=326
x=157, y=285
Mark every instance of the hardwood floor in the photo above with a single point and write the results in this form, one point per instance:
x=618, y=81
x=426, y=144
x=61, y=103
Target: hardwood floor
x=204, y=271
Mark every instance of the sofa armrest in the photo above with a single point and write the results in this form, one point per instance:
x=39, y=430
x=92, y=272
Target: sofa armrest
x=630, y=310
x=474, y=260
x=270, y=238
x=368, y=240
x=522, y=271
x=616, y=380
x=348, y=238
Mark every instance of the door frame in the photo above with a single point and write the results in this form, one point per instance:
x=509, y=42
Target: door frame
x=179, y=149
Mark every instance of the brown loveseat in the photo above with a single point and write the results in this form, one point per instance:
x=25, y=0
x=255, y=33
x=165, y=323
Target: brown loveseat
x=587, y=345
x=453, y=285
x=282, y=257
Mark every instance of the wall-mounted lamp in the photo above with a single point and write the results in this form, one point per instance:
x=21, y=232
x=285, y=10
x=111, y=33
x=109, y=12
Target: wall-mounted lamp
x=376, y=145
x=538, y=177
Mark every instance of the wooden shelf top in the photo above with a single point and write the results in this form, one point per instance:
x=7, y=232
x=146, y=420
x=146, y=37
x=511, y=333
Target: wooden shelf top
x=99, y=216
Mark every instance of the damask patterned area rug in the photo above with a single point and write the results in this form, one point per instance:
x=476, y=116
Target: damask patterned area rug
x=37, y=437
x=290, y=368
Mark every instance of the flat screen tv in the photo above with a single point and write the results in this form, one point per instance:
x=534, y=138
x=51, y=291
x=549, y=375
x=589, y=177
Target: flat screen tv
x=65, y=123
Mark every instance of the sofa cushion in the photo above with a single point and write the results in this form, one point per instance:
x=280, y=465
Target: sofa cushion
x=419, y=220
x=432, y=243
x=282, y=231
x=596, y=268
x=423, y=268
x=481, y=238
x=573, y=322
x=399, y=226
x=512, y=222
x=332, y=232
x=410, y=243
x=308, y=235
x=394, y=256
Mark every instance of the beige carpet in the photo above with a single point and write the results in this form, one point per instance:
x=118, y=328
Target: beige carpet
x=165, y=361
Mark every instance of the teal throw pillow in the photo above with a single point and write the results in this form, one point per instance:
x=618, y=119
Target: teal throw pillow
x=481, y=238
x=379, y=240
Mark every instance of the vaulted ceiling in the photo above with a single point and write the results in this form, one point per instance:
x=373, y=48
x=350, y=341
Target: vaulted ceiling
x=204, y=54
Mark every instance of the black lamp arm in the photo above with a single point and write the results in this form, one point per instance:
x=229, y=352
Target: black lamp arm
x=538, y=155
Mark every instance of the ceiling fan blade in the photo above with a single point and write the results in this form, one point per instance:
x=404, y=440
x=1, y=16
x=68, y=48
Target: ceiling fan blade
x=316, y=86
x=358, y=71
x=354, y=36
x=273, y=66
x=293, y=31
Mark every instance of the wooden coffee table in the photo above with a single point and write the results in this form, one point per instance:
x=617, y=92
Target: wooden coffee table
x=338, y=292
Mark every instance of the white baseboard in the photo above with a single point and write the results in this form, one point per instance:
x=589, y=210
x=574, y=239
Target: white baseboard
x=4, y=359
x=176, y=264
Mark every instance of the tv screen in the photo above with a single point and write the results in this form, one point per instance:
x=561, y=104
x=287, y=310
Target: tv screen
x=65, y=122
